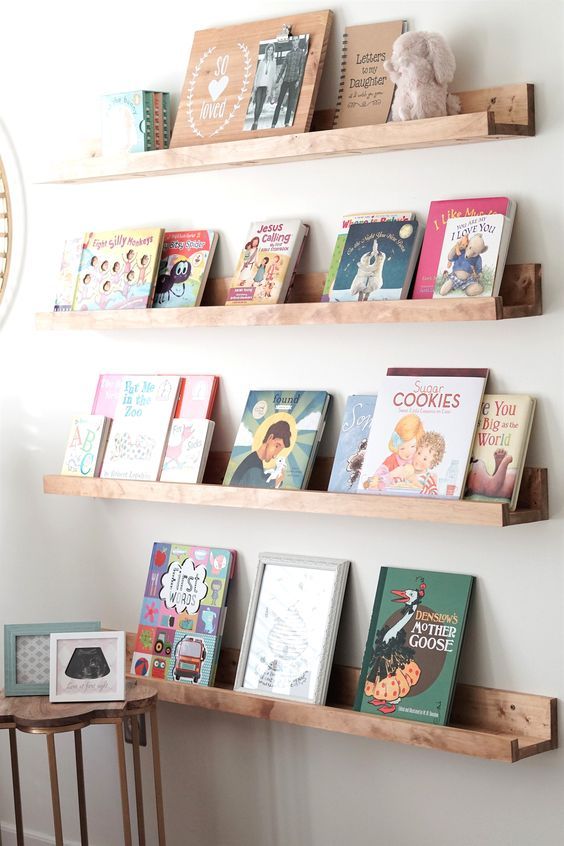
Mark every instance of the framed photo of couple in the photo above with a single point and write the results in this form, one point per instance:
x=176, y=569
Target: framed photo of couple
x=253, y=79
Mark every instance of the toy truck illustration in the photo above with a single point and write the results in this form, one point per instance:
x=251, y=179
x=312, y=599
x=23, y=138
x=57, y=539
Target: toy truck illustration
x=163, y=642
x=190, y=655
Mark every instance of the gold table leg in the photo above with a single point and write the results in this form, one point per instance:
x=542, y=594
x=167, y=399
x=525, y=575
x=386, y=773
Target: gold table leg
x=80, y=788
x=157, y=776
x=16, y=788
x=57, y=822
x=123, y=784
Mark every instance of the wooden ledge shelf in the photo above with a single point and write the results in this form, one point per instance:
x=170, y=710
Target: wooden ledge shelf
x=520, y=296
x=489, y=114
x=533, y=499
x=485, y=723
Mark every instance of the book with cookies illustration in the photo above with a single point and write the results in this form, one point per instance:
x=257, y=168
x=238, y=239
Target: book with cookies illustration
x=500, y=448
x=414, y=644
x=433, y=263
x=183, y=613
x=378, y=261
x=185, y=263
x=118, y=269
x=267, y=262
x=140, y=428
x=421, y=435
x=353, y=440
x=277, y=439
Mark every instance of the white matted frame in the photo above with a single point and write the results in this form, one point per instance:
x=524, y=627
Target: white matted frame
x=291, y=627
x=87, y=667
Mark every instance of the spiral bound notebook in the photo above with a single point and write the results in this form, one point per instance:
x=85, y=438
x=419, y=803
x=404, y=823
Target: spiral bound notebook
x=365, y=90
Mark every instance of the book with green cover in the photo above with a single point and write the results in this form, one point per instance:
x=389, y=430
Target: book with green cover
x=414, y=642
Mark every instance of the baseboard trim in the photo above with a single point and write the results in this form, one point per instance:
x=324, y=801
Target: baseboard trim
x=32, y=838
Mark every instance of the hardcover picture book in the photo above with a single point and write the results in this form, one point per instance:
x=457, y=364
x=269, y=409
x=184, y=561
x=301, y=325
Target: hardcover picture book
x=348, y=220
x=196, y=395
x=183, y=613
x=118, y=269
x=421, y=436
x=184, y=267
x=434, y=254
x=413, y=647
x=68, y=274
x=187, y=450
x=127, y=122
x=85, y=445
x=267, y=263
x=140, y=429
x=378, y=261
x=277, y=439
x=353, y=440
x=366, y=91
x=500, y=448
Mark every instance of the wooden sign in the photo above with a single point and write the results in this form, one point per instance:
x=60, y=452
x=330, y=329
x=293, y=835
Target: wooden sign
x=253, y=79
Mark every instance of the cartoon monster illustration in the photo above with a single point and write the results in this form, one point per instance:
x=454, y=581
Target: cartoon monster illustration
x=173, y=280
x=208, y=618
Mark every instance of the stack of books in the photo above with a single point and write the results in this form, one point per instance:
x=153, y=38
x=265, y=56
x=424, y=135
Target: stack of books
x=135, y=121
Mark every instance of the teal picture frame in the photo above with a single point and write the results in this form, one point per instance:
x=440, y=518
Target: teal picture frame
x=13, y=687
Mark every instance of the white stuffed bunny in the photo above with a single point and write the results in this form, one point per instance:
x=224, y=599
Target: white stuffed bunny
x=422, y=65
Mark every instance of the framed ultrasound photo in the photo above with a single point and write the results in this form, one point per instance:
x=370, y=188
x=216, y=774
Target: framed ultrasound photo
x=87, y=667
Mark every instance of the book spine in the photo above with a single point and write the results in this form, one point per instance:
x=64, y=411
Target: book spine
x=157, y=115
x=166, y=119
x=148, y=117
x=341, y=80
x=370, y=639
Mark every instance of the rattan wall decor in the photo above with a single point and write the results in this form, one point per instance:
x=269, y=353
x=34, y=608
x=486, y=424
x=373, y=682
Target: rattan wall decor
x=5, y=231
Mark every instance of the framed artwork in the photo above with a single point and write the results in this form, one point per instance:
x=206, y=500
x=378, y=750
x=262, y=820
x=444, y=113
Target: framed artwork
x=252, y=79
x=291, y=627
x=26, y=655
x=87, y=667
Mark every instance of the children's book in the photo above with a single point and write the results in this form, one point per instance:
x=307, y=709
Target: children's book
x=183, y=613
x=127, y=122
x=430, y=269
x=414, y=642
x=348, y=220
x=267, y=262
x=421, y=436
x=68, y=274
x=277, y=439
x=187, y=450
x=140, y=429
x=197, y=396
x=378, y=261
x=500, y=447
x=108, y=394
x=353, y=440
x=85, y=445
x=184, y=267
x=118, y=269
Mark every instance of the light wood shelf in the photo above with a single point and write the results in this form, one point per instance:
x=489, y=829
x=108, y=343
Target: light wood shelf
x=489, y=114
x=485, y=723
x=520, y=296
x=532, y=507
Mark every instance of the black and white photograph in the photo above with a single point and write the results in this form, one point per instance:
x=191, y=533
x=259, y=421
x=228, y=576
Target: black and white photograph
x=278, y=82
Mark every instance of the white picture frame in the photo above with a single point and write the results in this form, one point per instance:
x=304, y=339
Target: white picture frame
x=291, y=627
x=87, y=667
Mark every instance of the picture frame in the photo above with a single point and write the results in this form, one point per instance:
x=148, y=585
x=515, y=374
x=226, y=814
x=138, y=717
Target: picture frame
x=291, y=627
x=87, y=667
x=27, y=652
x=221, y=79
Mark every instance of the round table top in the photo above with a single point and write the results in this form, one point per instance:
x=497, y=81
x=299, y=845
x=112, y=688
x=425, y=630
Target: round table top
x=36, y=712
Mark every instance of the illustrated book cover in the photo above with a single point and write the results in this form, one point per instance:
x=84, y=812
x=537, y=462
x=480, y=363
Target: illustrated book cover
x=414, y=643
x=353, y=440
x=187, y=450
x=118, y=269
x=277, y=439
x=365, y=90
x=183, y=613
x=85, y=445
x=267, y=263
x=68, y=274
x=127, y=122
x=421, y=436
x=430, y=269
x=184, y=267
x=348, y=220
x=140, y=428
x=500, y=448
x=197, y=396
x=378, y=261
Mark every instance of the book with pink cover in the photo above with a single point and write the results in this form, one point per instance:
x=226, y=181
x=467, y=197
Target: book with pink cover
x=440, y=212
x=196, y=395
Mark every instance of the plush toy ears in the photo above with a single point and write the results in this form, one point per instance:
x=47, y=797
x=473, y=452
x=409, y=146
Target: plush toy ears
x=441, y=57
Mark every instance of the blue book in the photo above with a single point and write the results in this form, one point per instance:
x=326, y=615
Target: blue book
x=378, y=261
x=352, y=444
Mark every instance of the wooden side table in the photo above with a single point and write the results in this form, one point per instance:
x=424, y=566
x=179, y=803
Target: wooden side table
x=36, y=715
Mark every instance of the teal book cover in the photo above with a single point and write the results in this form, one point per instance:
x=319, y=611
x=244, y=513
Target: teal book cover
x=414, y=643
x=277, y=438
x=378, y=261
x=353, y=440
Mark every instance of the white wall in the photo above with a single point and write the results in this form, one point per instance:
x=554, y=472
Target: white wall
x=232, y=781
